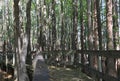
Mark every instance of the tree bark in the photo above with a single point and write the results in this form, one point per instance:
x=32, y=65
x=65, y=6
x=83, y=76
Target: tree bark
x=23, y=53
x=62, y=30
x=16, y=35
x=75, y=32
x=53, y=25
x=96, y=42
x=90, y=33
x=82, y=35
x=116, y=34
x=28, y=33
x=99, y=34
x=110, y=61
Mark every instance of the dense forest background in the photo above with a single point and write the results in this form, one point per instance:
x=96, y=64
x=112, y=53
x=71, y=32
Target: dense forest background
x=60, y=30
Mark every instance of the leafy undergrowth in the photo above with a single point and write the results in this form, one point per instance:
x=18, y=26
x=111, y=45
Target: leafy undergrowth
x=67, y=74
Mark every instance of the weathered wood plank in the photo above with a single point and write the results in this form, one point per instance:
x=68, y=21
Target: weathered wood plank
x=108, y=53
x=105, y=53
x=41, y=72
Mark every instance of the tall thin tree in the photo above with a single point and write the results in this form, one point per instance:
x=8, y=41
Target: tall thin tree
x=75, y=31
x=53, y=25
x=109, y=22
x=16, y=35
x=99, y=34
x=28, y=33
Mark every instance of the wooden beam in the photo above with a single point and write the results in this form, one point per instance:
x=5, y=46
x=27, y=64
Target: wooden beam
x=104, y=76
x=105, y=53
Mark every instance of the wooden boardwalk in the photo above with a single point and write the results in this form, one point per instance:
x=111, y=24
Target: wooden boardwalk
x=41, y=72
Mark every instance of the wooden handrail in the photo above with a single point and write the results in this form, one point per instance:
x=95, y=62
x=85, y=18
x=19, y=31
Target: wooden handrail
x=102, y=75
x=105, y=53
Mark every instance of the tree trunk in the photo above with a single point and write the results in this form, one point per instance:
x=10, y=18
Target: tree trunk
x=16, y=35
x=62, y=31
x=110, y=61
x=83, y=59
x=90, y=35
x=96, y=44
x=115, y=25
x=75, y=32
x=99, y=34
x=28, y=33
x=116, y=34
x=23, y=53
x=53, y=25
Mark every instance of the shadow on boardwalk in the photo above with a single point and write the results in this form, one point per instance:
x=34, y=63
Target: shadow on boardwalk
x=67, y=74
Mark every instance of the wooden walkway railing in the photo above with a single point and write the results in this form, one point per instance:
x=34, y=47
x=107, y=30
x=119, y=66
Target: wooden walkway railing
x=105, y=53
x=109, y=53
x=41, y=72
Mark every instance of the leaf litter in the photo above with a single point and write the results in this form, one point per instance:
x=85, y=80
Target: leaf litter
x=67, y=74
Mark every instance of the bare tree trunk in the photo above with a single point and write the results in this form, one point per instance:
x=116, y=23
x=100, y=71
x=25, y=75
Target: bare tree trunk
x=75, y=32
x=28, y=33
x=82, y=35
x=96, y=47
x=115, y=25
x=17, y=35
x=23, y=53
x=53, y=25
x=90, y=33
x=110, y=61
x=99, y=34
x=116, y=34
x=90, y=37
x=62, y=31
x=21, y=43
